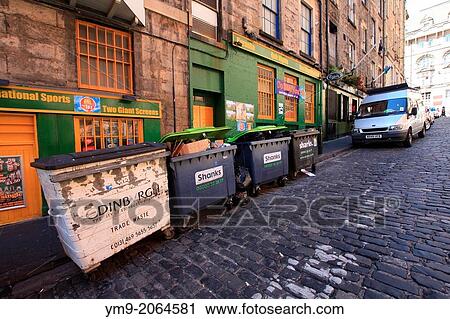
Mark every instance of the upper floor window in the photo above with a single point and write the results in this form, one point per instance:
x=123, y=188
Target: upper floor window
x=446, y=59
x=425, y=61
x=205, y=18
x=306, y=30
x=373, y=26
x=351, y=10
x=104, y=58
x=380, y=7
x=364, y=39
x=270, y=18
x=351, y=53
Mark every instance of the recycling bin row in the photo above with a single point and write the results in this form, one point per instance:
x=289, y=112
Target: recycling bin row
x=105, y=200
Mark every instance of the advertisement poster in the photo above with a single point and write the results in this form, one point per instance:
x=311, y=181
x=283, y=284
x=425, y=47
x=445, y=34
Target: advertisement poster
x=87, y=104
x=290, y=90
x=11, y=182
x=240, y=113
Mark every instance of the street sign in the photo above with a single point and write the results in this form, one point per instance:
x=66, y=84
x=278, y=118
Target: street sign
x=334, y=76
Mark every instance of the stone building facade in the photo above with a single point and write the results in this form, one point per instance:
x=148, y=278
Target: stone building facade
x=363, y=39
x=427, y=60
x=38, y=48
x=85, y=75
x=261, y=55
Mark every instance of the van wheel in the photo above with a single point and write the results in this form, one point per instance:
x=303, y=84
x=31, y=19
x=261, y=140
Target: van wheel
x=408, y=140
x=422, y=133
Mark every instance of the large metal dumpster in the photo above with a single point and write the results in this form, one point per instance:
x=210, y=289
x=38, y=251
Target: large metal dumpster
x=202, y=178
x=103, y=201
x=264, y=152
x=303, y=150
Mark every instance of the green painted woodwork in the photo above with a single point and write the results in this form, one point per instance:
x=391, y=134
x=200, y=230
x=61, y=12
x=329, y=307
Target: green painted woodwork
x=233, y=74
x=152, y=130
x=55, y=134
x=43, y=100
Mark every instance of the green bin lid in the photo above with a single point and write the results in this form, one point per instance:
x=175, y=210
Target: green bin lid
x=257, y=129
x=196, y=134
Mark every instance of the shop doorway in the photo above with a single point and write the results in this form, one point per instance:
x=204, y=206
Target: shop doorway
x=20, y=191
x=205, y=111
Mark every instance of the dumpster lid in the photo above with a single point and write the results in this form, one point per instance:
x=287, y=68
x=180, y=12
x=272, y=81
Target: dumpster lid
x=299, y=133
x=196, y=134
x=258, y=129
x=80, y=158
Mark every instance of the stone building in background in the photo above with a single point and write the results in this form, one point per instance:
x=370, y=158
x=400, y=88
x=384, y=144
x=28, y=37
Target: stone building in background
x=80, y=75
x=427, y=55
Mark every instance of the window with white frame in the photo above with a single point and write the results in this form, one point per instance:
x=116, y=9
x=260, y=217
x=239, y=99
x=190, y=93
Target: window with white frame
x=351, y=10
x=306, y=30
x=373, y=27
x=270, y=23
x=425, y=62
x=205, y=15
x=364, y=39
x=351, y=53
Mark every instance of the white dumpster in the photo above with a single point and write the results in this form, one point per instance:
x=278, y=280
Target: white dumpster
x=105, y=200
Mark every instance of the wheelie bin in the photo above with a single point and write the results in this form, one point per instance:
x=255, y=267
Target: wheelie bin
x=202, y=178
x=263, y=152
x=103, y=201
x=303, y=150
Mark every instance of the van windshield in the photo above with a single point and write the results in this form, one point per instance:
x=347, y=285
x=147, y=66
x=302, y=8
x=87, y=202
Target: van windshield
x=381, y=108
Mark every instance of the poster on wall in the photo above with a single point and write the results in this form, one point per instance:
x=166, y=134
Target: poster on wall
x=11, y=183
x=290, y=90
x=242, y=114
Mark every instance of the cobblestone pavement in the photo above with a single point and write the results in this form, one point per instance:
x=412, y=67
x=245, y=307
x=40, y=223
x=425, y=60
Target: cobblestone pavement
x=398, y=248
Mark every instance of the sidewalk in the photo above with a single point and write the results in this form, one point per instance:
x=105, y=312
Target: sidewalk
x=335, y=147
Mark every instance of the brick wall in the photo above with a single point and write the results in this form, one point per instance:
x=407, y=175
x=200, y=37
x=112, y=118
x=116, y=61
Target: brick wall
x=37, y=48
x=394, y=36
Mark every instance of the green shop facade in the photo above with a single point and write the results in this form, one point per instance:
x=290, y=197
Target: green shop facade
x=40, y=122
x=243, y=83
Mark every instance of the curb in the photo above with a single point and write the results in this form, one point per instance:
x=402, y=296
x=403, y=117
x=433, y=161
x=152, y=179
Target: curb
x=327, y=156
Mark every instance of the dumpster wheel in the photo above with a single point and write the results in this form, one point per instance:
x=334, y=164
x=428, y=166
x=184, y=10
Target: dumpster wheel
x=282, y=181
x=169, y=233
x=255, y=190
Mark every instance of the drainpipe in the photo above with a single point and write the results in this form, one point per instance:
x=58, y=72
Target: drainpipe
x=327, y=49
x=188, y=9
x=173, y=91
x=320, y=35
x=189, y=73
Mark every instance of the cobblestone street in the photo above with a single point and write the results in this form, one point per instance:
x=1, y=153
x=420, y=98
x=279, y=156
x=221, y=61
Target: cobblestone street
x=395, y=248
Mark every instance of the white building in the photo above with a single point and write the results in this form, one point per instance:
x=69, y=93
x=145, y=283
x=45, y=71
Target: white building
x=427, y=54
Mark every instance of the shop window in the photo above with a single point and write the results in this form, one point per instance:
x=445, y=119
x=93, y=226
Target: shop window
x=104, y=58
x=310, y=90
x=205, y=18
x=270, y=17
x=290, y=103
x=92, y=133
x=306, y=30
x=266, y=95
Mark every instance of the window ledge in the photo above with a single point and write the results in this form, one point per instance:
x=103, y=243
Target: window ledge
x=307, y=56
x=210, y=41
x=351, y=22
x=271, y=38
